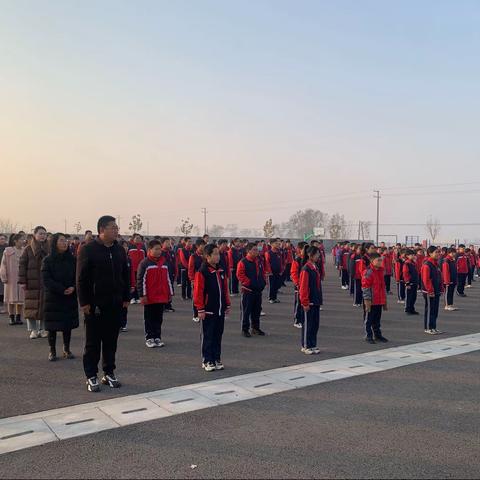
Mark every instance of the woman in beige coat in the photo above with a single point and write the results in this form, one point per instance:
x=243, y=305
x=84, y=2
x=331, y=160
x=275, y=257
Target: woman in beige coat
x=14, y=293
x=30, y=278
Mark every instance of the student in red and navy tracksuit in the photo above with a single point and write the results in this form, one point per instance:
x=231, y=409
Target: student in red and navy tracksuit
x=224, y=261
x=297, y=265
x=471, y=264
x=432, y=289
x=251, y=275
x=288, y=259
x=212, y=300
x=235, y=254
x=136, y=253
x=351, y=268
x=374, y=298
x=194, y=263
x=387, y=264
x=183, y=258
x=274, y=268
x=358, y=268
x=155, y=290
x=321, y=268
x=411, y=278
x=171, y=262
x=449, y=277
x=344, y=266
x=462, y=270
x=309, y=292
x=399, y=276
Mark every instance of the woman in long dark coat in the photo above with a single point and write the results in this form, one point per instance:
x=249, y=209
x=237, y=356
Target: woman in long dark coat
x=60, y=303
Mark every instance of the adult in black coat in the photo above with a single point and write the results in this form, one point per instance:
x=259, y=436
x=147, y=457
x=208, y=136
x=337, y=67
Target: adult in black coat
x=60, y=301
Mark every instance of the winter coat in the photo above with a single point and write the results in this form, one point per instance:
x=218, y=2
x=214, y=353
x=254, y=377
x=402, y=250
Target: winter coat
x=60, y=310
x=29, y=274
x=14, y=293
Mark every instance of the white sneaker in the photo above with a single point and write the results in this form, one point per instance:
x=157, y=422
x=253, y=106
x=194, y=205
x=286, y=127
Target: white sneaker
x=262, y=313
x=431, y=332
x=150, y=343
x=321, y=309
x=438, y=332
x=468, y=286
x=34, y=334
x=303, y=349
x=209, y=367
x=159, y=343
x=138, y=301
x=309, y=351
x=344, y=287
x=219, y=366
x=297, y=325
x=196, y=319
x=43, y=333
x=453, y=308
x=132, y=301
x=316, y=350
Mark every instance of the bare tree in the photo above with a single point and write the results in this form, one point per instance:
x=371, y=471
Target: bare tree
x=303, y=222
x=364, y=229
x=7, y=226
x=433, y=227
x=136, y=224
x=78, y=227
x=269, y=228
x=186, y=226
x=338, y=227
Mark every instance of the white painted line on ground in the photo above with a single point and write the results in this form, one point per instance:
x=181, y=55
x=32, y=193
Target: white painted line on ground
x=24, y=431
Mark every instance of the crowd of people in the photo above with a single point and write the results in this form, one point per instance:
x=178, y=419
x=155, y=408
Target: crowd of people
x=47, y=279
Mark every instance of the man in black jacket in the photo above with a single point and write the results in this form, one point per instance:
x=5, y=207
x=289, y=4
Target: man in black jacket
x=103, y=290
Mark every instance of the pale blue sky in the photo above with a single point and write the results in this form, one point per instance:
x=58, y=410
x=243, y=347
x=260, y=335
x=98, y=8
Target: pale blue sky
x=236, y=105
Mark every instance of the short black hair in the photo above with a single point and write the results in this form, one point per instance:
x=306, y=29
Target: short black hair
x=374, y=255
x=222, y=241
x=452, y=250
x=88, y=231
x=431, y=249
x=199, y=242
x=186, y=239
x=409, y=251
x=38, y=228
x=249, y=246
x=104, y=221
x=153, y=243
x=208, y=250
x=162, y=240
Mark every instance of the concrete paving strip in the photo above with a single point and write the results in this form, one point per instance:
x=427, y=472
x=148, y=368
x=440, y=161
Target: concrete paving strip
x=25, y=431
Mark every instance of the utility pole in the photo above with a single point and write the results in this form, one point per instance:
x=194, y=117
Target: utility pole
x=118, y=223
x=204, y=211
x=377, y=196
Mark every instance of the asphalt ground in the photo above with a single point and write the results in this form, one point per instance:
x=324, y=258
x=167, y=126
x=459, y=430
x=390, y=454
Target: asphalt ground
x=420, y=421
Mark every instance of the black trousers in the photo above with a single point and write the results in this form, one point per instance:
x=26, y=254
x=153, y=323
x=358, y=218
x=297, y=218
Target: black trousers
x=123, y=317
x=344, y=278
x=470, y=276
x=153, y=319
x=310, y=325
x=431, y=311
x=388, y=282
x=449, y=292
x=462, y=280
x=52, y=339
x=288, y=268
x=186, y=284
x=101, y=336
x=275, y=281
x=401, y=290
x=297, y=309
x=212, y=331
x=372, y=321
x=251, y=307
x=410, y=298
x=234, y=282
x=358, y=294
x=352, y=286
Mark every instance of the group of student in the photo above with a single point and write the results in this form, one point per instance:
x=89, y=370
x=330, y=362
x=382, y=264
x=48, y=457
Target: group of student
x=366, y=271
x=107, y=274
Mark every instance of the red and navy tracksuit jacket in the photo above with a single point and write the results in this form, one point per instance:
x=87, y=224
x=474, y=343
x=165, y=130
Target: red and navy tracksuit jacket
x=387, y=263
x=274, y=262
x=462, y=263
x=431, y=278
x=184, y=256
x=136, y=253
x=373, y=285
x=295, y=270
x=251, y=275
x=309, y=286
x=399, y=269
x=449, y=271
x=410, y=273
x=224, y=262
x=170, y=261
x=234, y=256
x=210, y=292
x=153, y=280
x=194, y=263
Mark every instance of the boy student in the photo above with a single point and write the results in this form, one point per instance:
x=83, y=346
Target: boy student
x=375, y=299
x=194, y=263
x=470, y=263
x=235, y=254
x=358, y=269
x=449, y=278
x=155, y=290
x=344, y=266
x=387, y=264
x=310, y=299
x=251, y=276
x=136, y=253
x=274, y=268
x=399, y=276
x=184, y=256
x=411, y=279
x=212, y=300
x=170, y=261
x=295, y=276
x=432, y=288
x=462, y=270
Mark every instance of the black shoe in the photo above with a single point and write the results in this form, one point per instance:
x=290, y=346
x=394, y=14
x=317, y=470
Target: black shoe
x=68, y=355
x=381, y=339
x=257, y=331
x=110, y=380
x=12, y=320
x=92, y=384
x=52, y=357
x=369, y=340
x=461, y=294
x=246, y=333
x=169, y=309
x=415, y=313
x=18, y=320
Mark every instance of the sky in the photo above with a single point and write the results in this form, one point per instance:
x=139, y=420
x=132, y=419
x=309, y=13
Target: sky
x=251, y=109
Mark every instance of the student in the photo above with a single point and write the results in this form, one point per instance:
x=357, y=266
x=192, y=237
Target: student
x=183, y=257
x=223, y=251
x=449, y=278
x=375, y=299
x=297, y=265
x=344, y=266
x=235, y=254
x=170, y=261
x=212, y=300
x=155, y=290
x=310, y=299
x=351, y=268
x=273, y=261
x=411, y=279
x=462, y=270
x=194, y=263
x=399, y=276
x=321, y=268
x=387, y=264
x=61, y=305
x=470, y=265
x=251, y=276
x=136, y=253
x=432, y=289
x=358, y=269
x=124, y=315
x=103, y=290
x=288, y=259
